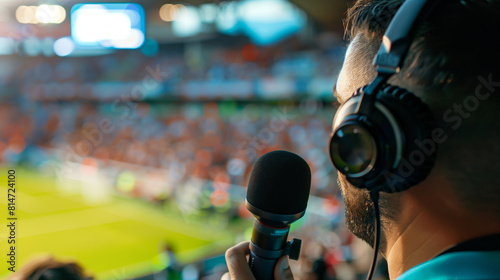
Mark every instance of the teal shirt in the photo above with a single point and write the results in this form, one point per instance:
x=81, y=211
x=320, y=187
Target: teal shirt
x=467, y=265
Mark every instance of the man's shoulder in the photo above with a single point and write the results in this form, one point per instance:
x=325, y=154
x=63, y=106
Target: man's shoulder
x=459, y=266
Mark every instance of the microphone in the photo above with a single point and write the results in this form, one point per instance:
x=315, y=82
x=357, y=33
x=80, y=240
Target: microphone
x=277, y=196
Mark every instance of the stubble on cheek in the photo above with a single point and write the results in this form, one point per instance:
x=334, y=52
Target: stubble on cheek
x=358, y=211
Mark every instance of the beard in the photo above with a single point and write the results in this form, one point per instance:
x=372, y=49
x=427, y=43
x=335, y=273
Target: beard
x=359, y=211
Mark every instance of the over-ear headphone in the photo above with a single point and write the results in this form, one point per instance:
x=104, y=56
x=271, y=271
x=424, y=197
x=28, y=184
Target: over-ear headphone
x=378, y=132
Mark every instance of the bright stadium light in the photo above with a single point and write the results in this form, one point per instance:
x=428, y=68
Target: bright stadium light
x=40, y=14
x=59, y=16
x=50, y=14
x=64, y=46
x=26, y=14
x=20, y=14
x=268, y=21
x=264, y=21
x=168, y=12
x=208, y=12
x=187, y=22
x=227, y=19
x=133, y=40
x=113, y=26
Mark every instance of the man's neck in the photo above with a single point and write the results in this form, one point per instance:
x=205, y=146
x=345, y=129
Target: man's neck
x=416, y=244
x=427, y=234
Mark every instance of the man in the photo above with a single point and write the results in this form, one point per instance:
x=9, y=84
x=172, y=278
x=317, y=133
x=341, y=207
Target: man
x=448, y=226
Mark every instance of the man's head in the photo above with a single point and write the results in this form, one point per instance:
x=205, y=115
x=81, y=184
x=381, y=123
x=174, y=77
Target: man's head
x=49, y=269
x=453, y=66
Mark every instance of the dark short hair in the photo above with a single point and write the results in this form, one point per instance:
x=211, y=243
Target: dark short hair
x=456, y=41
x=50, y=269
x=454, y=51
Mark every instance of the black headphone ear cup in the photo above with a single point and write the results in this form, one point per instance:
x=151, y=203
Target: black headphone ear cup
x=419, y=153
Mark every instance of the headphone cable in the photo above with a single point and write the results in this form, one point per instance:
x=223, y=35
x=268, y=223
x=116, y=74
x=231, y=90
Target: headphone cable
x=374, y=195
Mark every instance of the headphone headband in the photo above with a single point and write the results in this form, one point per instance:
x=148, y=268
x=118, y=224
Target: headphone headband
x=392, y=52
x=399, y=35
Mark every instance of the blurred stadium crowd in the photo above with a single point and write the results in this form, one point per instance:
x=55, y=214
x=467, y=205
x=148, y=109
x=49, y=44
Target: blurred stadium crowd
x=208, y=141
x=195, y=71
x=184, y=128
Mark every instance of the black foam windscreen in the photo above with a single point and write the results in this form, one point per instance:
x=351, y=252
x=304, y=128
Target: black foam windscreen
x=280, y=183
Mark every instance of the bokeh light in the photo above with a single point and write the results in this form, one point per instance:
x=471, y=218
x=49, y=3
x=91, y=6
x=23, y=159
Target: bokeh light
x=26, y=14
x=187, y=22
x=32, y=46
x=41, y=14
x=208, y=12
x=64, y=46
x=219, y=198
x=109, y=25
x=50, y=14
x=168, y=12
x=150, y=47
x=227, y=18
x=243, y=211
x=88, y=166
x=250, y=52
x=126, y=181
x=7, y=46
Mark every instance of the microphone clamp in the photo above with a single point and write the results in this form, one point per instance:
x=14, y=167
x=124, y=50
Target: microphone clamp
x=292, y=249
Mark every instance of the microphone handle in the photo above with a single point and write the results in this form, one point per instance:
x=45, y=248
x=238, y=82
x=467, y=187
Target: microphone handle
x=262, y=269
x=266, y=247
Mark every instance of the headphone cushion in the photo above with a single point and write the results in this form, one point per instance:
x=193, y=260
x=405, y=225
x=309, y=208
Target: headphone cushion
x=417, y=122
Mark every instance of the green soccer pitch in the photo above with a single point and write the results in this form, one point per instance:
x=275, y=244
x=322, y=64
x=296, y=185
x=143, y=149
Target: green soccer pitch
x=117, y=239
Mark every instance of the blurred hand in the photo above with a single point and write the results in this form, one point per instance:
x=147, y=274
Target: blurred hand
x=236, y=258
